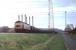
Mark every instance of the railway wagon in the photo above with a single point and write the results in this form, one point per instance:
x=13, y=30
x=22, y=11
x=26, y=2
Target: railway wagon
x=21, y=27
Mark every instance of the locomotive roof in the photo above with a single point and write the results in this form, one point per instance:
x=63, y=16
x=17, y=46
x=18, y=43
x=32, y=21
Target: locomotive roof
x=18, y=21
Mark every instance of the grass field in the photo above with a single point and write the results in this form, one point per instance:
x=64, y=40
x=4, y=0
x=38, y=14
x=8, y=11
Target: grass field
x=31, y=42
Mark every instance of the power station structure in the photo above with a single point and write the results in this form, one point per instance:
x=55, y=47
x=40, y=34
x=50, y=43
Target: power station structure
x=22, y=26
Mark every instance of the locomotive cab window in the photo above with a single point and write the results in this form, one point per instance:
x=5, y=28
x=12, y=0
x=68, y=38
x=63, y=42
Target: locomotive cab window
x=17, y=25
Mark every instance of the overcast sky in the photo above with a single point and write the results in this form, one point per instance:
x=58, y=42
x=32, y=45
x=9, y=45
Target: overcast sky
x=10, y=9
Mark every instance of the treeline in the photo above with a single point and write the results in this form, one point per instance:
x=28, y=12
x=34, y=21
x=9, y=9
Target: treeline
x=6, y=29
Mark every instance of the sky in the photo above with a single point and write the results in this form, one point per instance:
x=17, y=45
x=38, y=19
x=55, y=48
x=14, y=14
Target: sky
x=10, y=9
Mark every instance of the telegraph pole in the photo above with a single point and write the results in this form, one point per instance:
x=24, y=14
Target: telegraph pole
x=65, y=18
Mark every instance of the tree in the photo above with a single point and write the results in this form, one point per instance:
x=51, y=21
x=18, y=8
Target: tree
x=5, y=29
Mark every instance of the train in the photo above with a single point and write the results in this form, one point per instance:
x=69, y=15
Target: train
x=22, y=27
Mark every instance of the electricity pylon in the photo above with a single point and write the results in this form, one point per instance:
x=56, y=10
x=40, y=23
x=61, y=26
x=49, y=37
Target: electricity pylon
x=52, y=13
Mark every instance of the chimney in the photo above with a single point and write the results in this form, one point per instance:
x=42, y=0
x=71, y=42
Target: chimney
x=22, y=18
x=32, y=21
x=25, y=18
x=29, y=20
x=18, y=17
